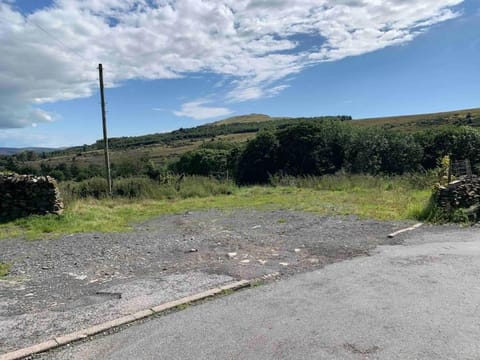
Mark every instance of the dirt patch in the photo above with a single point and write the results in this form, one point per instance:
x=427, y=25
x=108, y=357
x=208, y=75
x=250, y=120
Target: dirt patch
x=60, y=285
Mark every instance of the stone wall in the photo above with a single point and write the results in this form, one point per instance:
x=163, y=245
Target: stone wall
x=22, y=195
x=462, y=193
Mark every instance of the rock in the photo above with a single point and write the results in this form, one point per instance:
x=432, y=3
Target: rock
x=297, y=250
x=192, y=251
x=284, y=263
x=246, y=261
x=231, y=255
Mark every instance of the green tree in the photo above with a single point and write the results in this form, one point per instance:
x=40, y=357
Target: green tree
x=376, y=150
x=460, y=143
x=258, y=161
x=312, y=148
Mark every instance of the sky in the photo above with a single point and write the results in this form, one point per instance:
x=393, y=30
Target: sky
x=182, y=63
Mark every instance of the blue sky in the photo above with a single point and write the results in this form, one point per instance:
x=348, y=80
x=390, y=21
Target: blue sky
x=183, y=64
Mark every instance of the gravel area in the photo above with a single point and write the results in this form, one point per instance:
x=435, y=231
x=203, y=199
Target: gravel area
x=61, y=285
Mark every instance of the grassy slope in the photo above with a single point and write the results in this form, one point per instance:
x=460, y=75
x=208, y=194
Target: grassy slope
x=364, y=196
x=162, y=153
x=423, y=121
x=246, y=119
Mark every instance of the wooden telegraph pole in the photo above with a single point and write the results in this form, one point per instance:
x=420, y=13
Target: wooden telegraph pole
x=105, y=138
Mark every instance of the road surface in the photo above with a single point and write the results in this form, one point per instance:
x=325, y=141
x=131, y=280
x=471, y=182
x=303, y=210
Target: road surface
x=418, y=300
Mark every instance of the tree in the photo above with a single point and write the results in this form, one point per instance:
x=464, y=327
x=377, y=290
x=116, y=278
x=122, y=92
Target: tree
x=258, y=161
x=312, y=148
x=376, y=150
x=460, y=143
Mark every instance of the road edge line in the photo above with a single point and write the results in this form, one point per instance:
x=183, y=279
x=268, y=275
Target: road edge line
x=63, y=340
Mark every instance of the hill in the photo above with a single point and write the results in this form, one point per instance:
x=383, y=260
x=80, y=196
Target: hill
x=412, y=123
x=251, y=118
x=163, y=147
x=12, y=151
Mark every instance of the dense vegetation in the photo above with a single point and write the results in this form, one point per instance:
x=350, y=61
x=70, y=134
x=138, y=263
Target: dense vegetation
x=324, y=148
x=282, y=146
x=311, y=147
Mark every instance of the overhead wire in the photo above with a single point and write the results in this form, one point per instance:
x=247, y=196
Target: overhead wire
x=64, y=46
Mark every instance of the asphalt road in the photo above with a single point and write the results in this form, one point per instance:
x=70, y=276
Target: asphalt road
x=58, y=286
x=418, y=300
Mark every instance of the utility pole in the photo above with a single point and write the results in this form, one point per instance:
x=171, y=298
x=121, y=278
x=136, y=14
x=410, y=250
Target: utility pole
x=105, y=137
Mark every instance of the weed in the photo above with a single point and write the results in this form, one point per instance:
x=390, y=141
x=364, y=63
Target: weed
x=227, y=292
x=4, y=269
x=183, y=306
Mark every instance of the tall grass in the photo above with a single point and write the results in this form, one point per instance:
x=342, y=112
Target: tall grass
x=348, y=182
x=145, y=188
x=139, y=199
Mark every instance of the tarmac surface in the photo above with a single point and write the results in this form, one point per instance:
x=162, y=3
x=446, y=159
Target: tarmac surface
x=419, y=299
x=58, y=286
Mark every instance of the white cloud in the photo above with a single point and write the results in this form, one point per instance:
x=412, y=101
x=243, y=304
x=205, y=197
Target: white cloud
x=51, y=54
x=198, y=111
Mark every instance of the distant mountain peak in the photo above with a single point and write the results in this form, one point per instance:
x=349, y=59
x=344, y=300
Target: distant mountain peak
x=248, y=118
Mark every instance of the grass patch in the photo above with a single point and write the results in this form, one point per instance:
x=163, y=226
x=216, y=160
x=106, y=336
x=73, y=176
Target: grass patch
x=4, y=269
x=364, y=196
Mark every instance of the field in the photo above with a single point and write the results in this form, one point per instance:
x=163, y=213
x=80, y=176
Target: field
x=379, y=197
x=382, y=198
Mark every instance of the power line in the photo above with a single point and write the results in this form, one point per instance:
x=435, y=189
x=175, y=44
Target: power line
x=62, y=44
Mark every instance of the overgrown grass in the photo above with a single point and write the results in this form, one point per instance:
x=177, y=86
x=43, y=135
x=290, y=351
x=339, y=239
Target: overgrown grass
x=392, y=198
x=170, y=187
x=4, y=269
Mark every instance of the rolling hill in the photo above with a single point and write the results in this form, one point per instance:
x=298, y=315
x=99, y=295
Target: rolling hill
x=163, y=147
x=12, y=151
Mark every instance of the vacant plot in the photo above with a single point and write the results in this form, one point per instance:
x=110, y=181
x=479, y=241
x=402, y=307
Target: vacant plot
x=57, y=286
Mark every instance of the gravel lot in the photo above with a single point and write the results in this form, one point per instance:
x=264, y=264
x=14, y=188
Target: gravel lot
x=58, y=286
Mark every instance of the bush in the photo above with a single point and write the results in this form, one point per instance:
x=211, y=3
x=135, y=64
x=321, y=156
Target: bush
x=202, y=162
x=374, y=151
x=459, y=142
x=312, y=148
x=258, y=161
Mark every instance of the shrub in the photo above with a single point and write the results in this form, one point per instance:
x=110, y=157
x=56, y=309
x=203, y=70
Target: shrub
x=459, y=142
x=202, y=162
x=258, y=161
x=312, y=148
x=374, y=151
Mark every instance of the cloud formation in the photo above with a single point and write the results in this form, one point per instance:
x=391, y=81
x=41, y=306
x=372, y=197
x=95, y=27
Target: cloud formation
x=49, y=55
x=198, y=111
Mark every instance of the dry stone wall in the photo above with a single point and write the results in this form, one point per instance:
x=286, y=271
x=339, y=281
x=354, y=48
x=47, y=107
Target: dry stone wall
x=462, y=193
x=22, y=195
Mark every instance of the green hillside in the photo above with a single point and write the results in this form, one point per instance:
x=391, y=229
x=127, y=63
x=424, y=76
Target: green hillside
x=251, y=118
x=162, y=148
x=412, y=123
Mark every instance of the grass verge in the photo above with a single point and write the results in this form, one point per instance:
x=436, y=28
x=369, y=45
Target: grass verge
x=363, y=196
